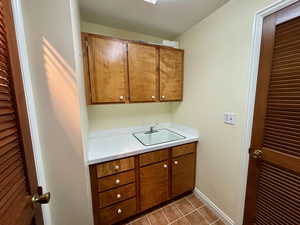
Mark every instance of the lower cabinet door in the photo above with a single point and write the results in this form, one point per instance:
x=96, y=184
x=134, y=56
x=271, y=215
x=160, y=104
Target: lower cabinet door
x=154, y=184
x=183, y=174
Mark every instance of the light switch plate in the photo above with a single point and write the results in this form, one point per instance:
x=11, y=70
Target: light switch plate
x=230, y=118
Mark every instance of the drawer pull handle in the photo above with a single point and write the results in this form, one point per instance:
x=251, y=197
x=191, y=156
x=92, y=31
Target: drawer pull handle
x=117, y=167
x=121, y=97
x=176, y=162
x=118, y=195
x=153, y=97
x=163, y=97
x=119, y=211
x=117, y=181
x=165, y=166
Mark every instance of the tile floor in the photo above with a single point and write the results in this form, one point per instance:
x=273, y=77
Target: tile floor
x=188, y=210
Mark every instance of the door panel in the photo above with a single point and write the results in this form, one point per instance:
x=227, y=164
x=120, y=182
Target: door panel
x=183, y=174
x=171, y=74
x=107, y=69
x=273, y=195
x=278, y=200
x=154, y=184
x=18, y=180
x=143, y=72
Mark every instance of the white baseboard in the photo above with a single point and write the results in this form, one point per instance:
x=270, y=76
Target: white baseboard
x=223, y=216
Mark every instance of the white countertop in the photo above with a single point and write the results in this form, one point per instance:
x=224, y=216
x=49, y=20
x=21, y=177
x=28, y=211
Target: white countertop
x=106, y=145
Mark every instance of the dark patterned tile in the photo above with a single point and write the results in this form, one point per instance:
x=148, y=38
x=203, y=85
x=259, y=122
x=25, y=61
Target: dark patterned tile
x=182, y=221
x=157, y=218
x=195, y=218
x=172, y=213
x=141, y=221
x=207, y=214
x=219, y=222
x=184, y=206
x=195, y=201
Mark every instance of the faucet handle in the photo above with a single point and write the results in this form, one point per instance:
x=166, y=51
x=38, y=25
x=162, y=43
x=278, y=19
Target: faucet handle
x=152, y=127
x=155, y=125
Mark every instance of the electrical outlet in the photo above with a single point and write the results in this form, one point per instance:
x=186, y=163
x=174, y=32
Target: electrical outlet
x=230, y=118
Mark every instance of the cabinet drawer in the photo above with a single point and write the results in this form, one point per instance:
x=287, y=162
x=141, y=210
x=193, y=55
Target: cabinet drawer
x=153, y=157
x=114, y=167
x=183, y=149
x=117, y=180
x=117, y=212
x=116, y=195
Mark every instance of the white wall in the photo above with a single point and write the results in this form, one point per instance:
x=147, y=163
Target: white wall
x=217, y=58
x=125, y=115
x=118, y=33
x=117, y=116
x=52, y=37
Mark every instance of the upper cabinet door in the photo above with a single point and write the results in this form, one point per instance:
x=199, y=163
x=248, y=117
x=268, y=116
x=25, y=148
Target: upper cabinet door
x=143, y=72
x=107, y=70
x=171, y=74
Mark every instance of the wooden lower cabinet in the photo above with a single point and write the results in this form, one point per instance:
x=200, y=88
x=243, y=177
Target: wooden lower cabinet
x=183, y=174
x=123, y=188
x=154, y=184
x=118, y=212
x=114, y=181
x=117, y=195
x=115, y=167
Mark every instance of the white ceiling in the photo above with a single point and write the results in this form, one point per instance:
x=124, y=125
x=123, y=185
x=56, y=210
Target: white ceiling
x=167, y=19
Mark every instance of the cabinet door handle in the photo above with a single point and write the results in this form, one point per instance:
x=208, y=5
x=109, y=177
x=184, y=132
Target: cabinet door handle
x=117, y=181
x=118, y=195
x=121, y=97
x=165, y=166
x=163, y=97
x=117, y=167
x=176, y=162
x=119, y=211
x=153, y=97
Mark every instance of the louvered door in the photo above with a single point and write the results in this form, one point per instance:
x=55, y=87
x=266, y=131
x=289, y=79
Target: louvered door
x=17, y=171
x=273, y=190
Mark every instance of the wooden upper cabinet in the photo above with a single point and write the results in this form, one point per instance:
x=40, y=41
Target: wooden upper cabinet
x=171, y=74
x=143, y=72
x=120, y=71
x=107, y=70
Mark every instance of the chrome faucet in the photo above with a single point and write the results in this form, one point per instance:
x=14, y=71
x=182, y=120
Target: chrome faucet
x=151, y=131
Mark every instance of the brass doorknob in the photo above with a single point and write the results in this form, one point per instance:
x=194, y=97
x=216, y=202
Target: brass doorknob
x=41, y=199
x=257, y=154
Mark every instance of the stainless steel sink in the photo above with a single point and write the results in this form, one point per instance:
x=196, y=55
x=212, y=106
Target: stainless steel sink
x=158, y=137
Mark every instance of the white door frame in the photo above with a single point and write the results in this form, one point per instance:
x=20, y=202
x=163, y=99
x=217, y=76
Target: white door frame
x=253, y=71
x=30, y=102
